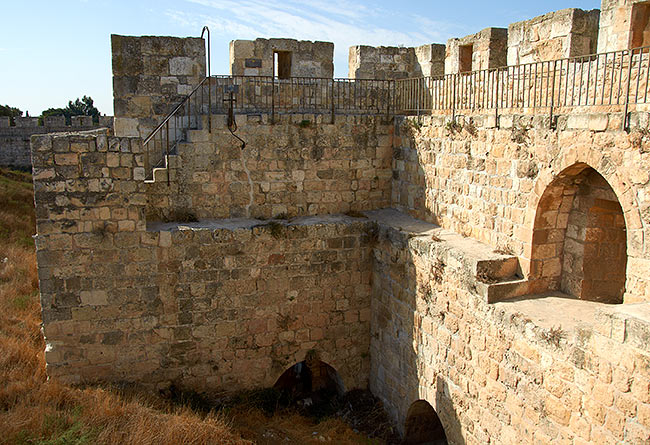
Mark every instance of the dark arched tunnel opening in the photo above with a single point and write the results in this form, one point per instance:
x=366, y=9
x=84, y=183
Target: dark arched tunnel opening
x=310, y=384
x=423, y=426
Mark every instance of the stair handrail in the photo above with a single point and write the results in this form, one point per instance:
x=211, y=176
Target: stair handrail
x=207, y=56
x=173, y=112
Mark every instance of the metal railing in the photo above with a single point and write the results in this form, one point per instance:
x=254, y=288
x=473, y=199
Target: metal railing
x=268, y=94
x=162, y=141
x=264, y=95
x=608, y=79
x=615, y=79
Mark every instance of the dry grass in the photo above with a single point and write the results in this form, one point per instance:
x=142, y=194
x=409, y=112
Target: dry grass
x=37, y=411
x=34, y=410
x=292, y=428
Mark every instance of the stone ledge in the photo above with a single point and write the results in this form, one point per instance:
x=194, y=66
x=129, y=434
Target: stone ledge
x=492, y=275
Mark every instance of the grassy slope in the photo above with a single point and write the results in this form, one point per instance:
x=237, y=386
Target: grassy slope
x=35, y=410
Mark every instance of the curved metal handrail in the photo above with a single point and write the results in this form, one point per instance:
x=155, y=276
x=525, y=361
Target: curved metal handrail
x=207, y=56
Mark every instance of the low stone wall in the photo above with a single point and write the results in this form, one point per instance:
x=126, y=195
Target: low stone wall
x=549, y=370
x=301, y=165
x=213, y=306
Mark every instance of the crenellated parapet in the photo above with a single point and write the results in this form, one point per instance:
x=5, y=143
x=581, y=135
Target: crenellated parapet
x=15, y=136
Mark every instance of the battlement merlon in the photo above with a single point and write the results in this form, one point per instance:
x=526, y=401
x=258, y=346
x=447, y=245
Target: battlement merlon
x=392, y=62
x=486, y=49
x=557, y=35
x=293, y=58
x=623, y=24
x=55, y=122
x=150, y=73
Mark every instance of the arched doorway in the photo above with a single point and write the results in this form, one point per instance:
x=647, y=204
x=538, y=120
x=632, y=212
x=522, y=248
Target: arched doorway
x=423, y=425
x=579, y=238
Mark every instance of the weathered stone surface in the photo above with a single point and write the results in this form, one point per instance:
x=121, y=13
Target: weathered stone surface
x=366, y=62
x=143, y=70
x=481, y=51
x=306, y=59
x=15, y=140
x=556, y=35
x=623, y=24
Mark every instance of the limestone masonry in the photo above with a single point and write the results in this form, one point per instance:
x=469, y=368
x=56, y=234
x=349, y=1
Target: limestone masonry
x=474, y=248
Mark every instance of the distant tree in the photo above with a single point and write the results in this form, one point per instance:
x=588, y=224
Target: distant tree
x=11, y=112
x=80, y=107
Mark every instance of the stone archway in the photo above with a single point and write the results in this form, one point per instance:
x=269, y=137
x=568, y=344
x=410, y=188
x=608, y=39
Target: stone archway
x=579, y=240
x=423, y=426
x=310, y=378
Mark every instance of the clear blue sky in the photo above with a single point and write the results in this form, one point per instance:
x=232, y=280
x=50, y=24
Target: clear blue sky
x=52, y=51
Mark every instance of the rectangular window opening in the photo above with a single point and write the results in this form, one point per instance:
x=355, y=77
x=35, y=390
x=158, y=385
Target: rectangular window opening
x=640, y=25
x=282, y=62
x=465, y=53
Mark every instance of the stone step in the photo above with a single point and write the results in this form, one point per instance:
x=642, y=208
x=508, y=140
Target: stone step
x=497, y=269
x=166, y=172
x=505, y=290
x=160, y=174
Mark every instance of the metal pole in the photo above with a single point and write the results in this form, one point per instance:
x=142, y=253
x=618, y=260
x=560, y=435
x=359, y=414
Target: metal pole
x=551, y=126
x=627, y=91
x=453, y=97
x=332, y=101
x=496, y=101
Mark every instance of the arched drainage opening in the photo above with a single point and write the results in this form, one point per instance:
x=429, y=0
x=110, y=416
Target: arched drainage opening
x=317, y=391
x=423, y=425
x=311, y=383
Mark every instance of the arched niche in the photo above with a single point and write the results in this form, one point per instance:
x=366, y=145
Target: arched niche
x=579, y=243
x=423, y=426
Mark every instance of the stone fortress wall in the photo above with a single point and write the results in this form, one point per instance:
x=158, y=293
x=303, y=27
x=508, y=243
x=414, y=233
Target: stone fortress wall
x=14, y=139
x=462, y=276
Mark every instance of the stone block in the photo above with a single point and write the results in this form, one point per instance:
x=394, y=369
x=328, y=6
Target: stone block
x=598, y=122
x=94, y=298
x=82, y=121
x=126, y=127
x=26, y=121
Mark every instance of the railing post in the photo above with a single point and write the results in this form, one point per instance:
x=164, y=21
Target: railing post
x=332, y=109
x=273, y=99
x=391, y=83
x=496, y=100
x=551, y=124
x=167, y=151
x=626, y=120
x=453, y=98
